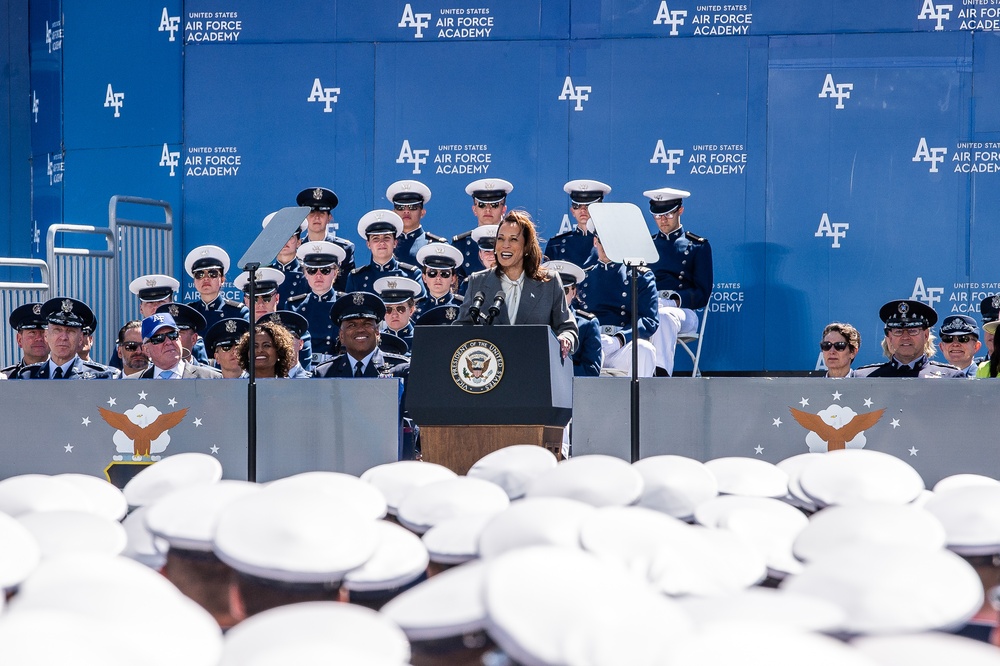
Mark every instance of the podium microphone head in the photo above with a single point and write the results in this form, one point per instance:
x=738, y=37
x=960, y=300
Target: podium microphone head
x=477, y=305
x=498, y=301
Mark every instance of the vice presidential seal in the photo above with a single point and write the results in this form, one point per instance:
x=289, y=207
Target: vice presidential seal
x=477, y=366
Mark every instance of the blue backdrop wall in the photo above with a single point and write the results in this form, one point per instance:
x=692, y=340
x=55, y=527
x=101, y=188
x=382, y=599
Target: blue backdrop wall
x=840, y=153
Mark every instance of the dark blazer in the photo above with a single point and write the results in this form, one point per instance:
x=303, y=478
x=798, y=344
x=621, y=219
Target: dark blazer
x=343, y=366
x=79, y=370
x=191, y=371
x=540, y=303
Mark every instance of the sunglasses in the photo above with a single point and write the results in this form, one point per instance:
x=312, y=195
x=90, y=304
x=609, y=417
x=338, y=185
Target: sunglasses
x=827, y=346
x=225, y=346
x=266, y=299
x=908, y=332
x=415, y=206
x=578, y=206
x=435, y=272
x=566, y=289
x=490, y=204
x=207, y=273
x=131, y=346
x=324, y=271
x=398, y=309
x=953, y=338
x=160, y=338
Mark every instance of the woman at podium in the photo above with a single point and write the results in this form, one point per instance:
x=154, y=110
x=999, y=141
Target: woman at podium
x=518, y=290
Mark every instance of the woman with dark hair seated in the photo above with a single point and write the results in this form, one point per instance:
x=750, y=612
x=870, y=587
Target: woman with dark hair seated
x=839, y=345
x=273, y=349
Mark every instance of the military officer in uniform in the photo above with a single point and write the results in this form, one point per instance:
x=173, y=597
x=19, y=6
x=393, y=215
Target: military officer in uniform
x=409, y=199
x=489, y=205
x=577, y=246
x=989, y=310
x=959, y=335
x=322, y=202
x=683, y=274
x=288, y=263
x=65, y=319
x=438, y=264
x=266, y=292
x=189, y=322
x=589, y=355
x=29, y=323
x=908, y=343
x=207, y=265
x=358, y=315
x=298, y=326
x=606, y=292
x=153, y=291
x=380, y=229
x=320, y=261
x=398, y=294
x=220, y=342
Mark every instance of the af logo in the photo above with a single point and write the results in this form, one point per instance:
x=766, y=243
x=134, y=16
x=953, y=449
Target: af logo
x=411, y=20
x=839, y=91
x=169, y=159
x=53, y=36
x=410, y=156
x=671, y=157
x=939, y=13
x=672, y=18
x=578, y=94
x=933, y=155
x=326, y=95
x=834, y=230
x=928, y=295
x=34, y=105
x=169, y=24
x=114, y=99
x=54, y=169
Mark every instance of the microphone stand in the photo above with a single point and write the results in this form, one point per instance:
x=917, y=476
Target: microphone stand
x=251, y=268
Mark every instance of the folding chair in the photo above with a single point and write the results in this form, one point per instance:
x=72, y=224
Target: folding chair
x=685, y=340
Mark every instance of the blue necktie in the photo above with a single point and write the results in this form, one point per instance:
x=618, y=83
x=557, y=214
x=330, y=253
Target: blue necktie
x=166, y=374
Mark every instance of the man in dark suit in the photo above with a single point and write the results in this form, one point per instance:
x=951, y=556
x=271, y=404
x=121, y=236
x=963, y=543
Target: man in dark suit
x=358, y=315
x=65, y=319
x=160, y=341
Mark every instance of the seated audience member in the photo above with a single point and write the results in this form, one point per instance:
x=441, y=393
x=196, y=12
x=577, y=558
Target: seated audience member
x=398, y=294
x=908, y=343
x=409, y=200
x=439, y=263
x=840, y=345
x=29, y=323
x=320, y=226
x=991, y=367
x=220, y=342
x=190, y=322
x=86, y=342
x=134, y=358
x=161, y=342
x=321, y=262
x=577, y=246
x=589, y=355
x=381, y=230
x=288, y=263
x=358, y=315
x=65, y=319
x=489, y=205
x=273, y=351
x=207, y=266
x=960, y=342
x=989, y=310
x=298, y=326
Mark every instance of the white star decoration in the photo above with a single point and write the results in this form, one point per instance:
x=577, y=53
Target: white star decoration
x=197, y=423
x=913, y=451
x=142, y=395
x=86, y=420
x=69, y=448
x=804, y=402
x=172, y=402
x=868, y=402
x=214, y=449
x=777, y=422
x=112, y=402
x=836, y=395
x=894, y=424
x=758, y=449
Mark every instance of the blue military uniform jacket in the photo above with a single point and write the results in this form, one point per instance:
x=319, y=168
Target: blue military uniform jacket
x=295, y=283
x=923, y=367
x=79, y=370
x=405, y=334
x=363, y=278
x=409, y=243
x=428, y=302
x=346, y=266
x=589, y=355
x=217, y=310
x=322, y=331
x=684, y=266
x=575, y=246
x=470, y=253
x=607, y=294
x=381, y=365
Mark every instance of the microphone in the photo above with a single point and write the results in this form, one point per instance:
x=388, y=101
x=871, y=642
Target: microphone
x=494, y=310
x=477, y=304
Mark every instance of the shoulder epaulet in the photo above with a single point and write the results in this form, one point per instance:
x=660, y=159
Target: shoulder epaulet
x=585, y=314
x=557, y=236
x=297, y=298
x=694, y=237
x=461, y=236
x=587, y=269
x=395, y=357
x=407, y=267
x=343, y=242
x=234, y=304
x=359, y=269
x=642, y=269
x=871, y=365
x=942, y=365
x=458, y=298
x=435, y=238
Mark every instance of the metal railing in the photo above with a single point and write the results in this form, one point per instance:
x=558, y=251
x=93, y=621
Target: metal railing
x=143, y=247
x=15, y=294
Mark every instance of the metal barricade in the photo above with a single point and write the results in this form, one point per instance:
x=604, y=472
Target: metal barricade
x=143, y=247
x=15, y=294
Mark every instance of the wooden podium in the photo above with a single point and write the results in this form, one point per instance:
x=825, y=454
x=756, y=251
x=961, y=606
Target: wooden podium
x=475, y=389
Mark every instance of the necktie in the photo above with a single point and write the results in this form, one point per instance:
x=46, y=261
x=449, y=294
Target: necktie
x=357, y=370
x=58, y=374
x=166, y=374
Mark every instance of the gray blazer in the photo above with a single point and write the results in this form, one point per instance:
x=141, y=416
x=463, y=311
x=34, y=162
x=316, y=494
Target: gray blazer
x=190, y=372
x=541, y=303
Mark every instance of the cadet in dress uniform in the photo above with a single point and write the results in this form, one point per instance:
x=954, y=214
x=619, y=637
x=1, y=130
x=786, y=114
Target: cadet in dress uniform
x=358, y=315
x=398, y=294
x=321, y=261
x=288, y=263
x=409, y=199
x=577, y=246
x=207, y=265
x=380, y=229
x=298, y=326
x=489, y=205
x=322, y=201
x=189, y=322
x=269, y=281
x=29, y=323
x=589, y=355
x=683, y=274
x=220, y=342
x=908, y=343
x=65, y=319
x=153, y=291
x=959, y=344
x=607, y=294
x=438, y=263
